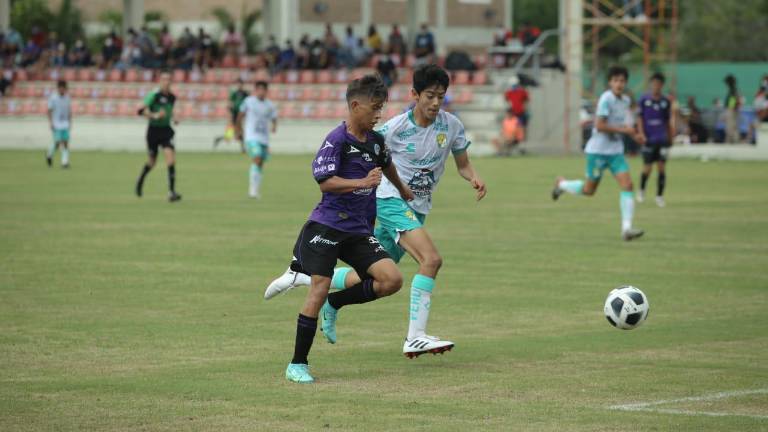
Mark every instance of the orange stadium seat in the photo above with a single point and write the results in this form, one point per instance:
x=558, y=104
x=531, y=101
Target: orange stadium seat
x=21, y=75
x=325, y=93
x=480, y=78
x=131, y=75
x=292, y=93
x=309, y=93
x=322, y=111
x=341, y=76
x=481, y=61
x=109, y=108
x=147, y=75
x=228, y=62
x=194, y=76
x=228, y=76
x=291, y=77
x=113, y=92
x=115, y=75
x=97, y=92
x=210, y=76
x=85, y=74
x=126, y=109
x=289, y=111
x=359, y=72
x=187, y=110
x=221, y=111
x=324, y=77
x=461, y=78
x=69, y=74
x=92, y=108
x=208, y=94
x=100, y=75
x=3, y=107
x=78, y=107
x=179, y=76
x=276, y=93
x=222, y=93
x=129, y=92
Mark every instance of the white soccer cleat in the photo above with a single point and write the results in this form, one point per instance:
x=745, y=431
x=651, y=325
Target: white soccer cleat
x=660, y=201
x=287, y=281
x=253, y=192
x=640, y=196
x=415, y=347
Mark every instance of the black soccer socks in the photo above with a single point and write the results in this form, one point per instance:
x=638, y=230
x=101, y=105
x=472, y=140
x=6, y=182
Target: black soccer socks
x=360, y=293
x=306, y=328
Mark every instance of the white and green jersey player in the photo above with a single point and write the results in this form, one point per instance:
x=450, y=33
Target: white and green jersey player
x=420, y=142
x=605, y=150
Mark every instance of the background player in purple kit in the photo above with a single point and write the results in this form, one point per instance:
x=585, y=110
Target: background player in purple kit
x=348, y=168
x=656, y=133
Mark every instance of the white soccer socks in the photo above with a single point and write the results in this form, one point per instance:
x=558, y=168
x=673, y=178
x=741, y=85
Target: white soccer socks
x=421, y=300
x=627, y=204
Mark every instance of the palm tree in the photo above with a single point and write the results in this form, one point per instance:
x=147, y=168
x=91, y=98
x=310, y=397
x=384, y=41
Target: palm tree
x=225, y=19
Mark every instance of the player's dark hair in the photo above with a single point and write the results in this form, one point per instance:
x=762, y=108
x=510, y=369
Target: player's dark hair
x=658, y=76
x=616, y=71
x=370, y=87
x=61, y=84
x=261, y=83
x=429, y=75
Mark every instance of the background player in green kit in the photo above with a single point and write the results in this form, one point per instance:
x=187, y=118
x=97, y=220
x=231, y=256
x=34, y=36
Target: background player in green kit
x=420, y=141
x=605, y=150
x=158, y=108
x=236, y=98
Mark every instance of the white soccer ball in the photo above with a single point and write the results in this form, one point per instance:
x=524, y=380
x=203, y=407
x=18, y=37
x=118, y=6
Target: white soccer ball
x=626, y=307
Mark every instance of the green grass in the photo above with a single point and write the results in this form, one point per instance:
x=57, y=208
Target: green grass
x=125, y=314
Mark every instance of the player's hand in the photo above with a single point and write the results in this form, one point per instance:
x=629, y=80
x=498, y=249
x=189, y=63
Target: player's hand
x=407, y=194
x=629, y=130
x=479, y=186
x=158, y=115
x=641, y=139
x=372, y=179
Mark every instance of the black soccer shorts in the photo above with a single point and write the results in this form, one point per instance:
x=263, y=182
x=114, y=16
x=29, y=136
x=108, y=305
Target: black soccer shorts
x=319, y=247
x=159, y=136
x=655, y=152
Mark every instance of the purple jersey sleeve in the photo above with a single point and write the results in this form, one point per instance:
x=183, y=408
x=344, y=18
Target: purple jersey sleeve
x=327, y=160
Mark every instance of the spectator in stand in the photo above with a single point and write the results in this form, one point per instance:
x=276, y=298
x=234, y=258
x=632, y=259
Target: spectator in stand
x=205, y=49
x=761, y=101
x=697, y=131
x=59, y=57
x=31, y=54
x=396, y=43
x=386, y=69
x=374, y=40
x=330, y=45
x=319, y=56
x=13, y=45
x=528, y=33
x=165, y=47
x=303, y=53
x=232, y=41
x=347, y=53
x=287, y=57
x=272, y=51
x=110, y=51
x=146, y=44
x=6, y=82
x=187, y=38
x=512, y=134
x=424, y=46
x=732, y=107
x=79, y=56
x=517, y=97
x=501, y=36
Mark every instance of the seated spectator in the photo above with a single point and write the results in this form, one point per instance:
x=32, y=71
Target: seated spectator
x=6, y=82
x=512, y=134
x=459, y=60
x=303, y=53
x=760, y=103
x=146, y=44
x=396, y=43
x=501, y=36
x=164, y=47
x=30, y=54
x=204, y=53
x=517, y=97
x=347, y=54
x=110, y=50
x=13, y=45
x=319, y=56
x=331, y=44
x=424, y=46
x=386, y=69
x=59, y=58
x=696, y=130
x=528, y=33
x=287, y=57
x=232, y=43
x=374, y=40
x=79, y=56
x=272, y=51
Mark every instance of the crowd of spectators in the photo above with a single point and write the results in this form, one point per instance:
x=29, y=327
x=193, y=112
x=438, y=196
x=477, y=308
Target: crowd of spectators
x=151, y=49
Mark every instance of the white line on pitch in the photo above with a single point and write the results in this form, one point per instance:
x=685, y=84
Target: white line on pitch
x=646, y=406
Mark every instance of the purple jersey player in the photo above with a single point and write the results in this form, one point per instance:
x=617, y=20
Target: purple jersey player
x=656, y=133
x=348, y=167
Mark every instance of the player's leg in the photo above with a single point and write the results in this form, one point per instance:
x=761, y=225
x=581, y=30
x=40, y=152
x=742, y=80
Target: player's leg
x=257, y=152
x=65, y=153
x=596, y=164
x=620, y=170
x=382, y=278
x=52, y=149
x=169, y=152
x=661, y=169
x=649, y=153
x=151, y=159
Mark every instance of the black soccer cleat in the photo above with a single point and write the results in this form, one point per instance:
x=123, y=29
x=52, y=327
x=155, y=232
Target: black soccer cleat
x=49, y=161
x=65, y=166
x=631, y=234
x=556, y=191
x=173, y=197
x=138, y=190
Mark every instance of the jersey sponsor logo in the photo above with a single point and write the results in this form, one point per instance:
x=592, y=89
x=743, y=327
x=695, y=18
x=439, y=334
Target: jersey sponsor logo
x=441, y=127
x=367, y=157
x=326, y=159
x=326, y=145
x=426, y=161
x=410, y=148
x=324, y=169
x=422, y=183
x=363, y=191
x=441, y=139
x=321, y=240
x=407, y=133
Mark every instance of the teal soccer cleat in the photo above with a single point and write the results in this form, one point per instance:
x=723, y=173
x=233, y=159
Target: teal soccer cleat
x=298, y=373
x=329, y=322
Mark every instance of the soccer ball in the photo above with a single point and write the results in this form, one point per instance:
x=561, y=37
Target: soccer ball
x=626, y=307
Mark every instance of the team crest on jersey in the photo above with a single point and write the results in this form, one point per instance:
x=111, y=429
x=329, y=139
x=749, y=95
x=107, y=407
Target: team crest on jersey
x=376, y=149
x=441, y=139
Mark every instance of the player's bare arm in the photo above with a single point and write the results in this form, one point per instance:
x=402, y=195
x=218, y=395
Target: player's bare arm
x=467, y=171
x=339, y=185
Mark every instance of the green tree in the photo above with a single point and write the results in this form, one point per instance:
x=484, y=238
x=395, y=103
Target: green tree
x=30, y=13
x=67, y=23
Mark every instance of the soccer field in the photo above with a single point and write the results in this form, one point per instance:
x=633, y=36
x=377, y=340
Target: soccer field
x=118, y=313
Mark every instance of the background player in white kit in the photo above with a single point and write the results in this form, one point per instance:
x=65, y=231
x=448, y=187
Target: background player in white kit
x=60, y=120
x=256, y=114
x=419, y=141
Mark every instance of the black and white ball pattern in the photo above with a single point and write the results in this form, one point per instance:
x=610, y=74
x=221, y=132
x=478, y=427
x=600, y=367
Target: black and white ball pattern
x=626, y=307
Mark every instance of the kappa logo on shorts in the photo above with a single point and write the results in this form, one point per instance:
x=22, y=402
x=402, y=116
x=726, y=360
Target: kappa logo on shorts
x=319, y=239
x=373, y=240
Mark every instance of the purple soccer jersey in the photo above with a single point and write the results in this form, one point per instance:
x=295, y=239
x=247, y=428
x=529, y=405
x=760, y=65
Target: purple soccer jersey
x=342, y=155
x=655, y=115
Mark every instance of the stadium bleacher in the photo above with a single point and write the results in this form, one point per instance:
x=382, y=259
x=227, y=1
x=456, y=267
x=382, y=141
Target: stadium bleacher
x=304, y=94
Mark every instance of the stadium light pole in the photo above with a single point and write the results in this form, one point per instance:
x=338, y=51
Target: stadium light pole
x=5, y=15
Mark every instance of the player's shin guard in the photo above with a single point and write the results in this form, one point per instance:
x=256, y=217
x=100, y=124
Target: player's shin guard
x=306, y=327
x=574, y=187
x=421, y=300
x=627, y=204
x=339, y=278
x=172, y=178
x=358, y=294
x=661, y=183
